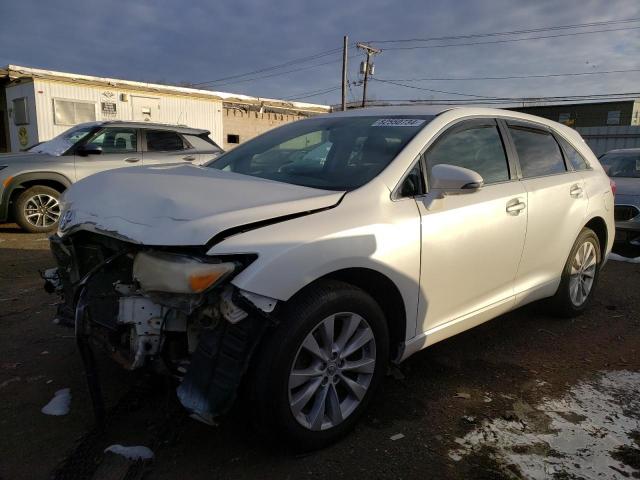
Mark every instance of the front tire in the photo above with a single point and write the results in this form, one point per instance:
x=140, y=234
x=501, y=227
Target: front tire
x=316, y=372
x=579, y=277
x=37, y=209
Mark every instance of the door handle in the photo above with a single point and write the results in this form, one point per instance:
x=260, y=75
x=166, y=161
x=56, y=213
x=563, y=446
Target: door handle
x=132, y=159
x=189, y=158
x=576, y=191
x=515, y=206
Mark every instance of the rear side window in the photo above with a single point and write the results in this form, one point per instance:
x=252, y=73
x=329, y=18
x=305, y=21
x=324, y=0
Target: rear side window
x=576, y=160
x=477, y=148
x=201, y=142
x=164, y=141
x=538, y=152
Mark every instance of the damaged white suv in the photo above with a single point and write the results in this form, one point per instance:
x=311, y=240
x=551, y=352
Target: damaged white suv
x=305, y=260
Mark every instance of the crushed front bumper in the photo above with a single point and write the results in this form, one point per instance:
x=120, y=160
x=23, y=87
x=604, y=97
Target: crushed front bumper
x=205, y=341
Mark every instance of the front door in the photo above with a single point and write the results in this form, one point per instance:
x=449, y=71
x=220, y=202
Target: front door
x=117, y=146
x=471, y=243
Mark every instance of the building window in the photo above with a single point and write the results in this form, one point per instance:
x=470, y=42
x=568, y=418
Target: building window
x=613, y=117
x=566, y=119
x=233, y=138
x=20, y=111
x=71, y=112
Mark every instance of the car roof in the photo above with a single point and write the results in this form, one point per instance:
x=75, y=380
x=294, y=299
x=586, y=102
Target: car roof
x=150, y=125
x=454, y=111
x=624, y=150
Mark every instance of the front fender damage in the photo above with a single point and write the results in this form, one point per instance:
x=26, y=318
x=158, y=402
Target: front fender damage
x=222, y=356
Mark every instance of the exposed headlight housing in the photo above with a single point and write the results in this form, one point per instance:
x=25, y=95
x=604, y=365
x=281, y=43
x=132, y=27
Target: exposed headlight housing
x=165, y=272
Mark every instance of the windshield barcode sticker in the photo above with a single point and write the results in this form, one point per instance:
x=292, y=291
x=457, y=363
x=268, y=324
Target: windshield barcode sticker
x=398, y=122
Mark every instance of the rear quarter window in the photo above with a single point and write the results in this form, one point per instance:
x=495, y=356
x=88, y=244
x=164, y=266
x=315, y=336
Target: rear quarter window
x=574, y=158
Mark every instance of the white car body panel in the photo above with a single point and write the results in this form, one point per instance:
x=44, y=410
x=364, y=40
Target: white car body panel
x=370, y=232
x=187, y=213
x=457, y=261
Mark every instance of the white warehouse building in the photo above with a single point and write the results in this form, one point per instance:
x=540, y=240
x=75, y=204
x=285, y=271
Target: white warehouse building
x=36, y=105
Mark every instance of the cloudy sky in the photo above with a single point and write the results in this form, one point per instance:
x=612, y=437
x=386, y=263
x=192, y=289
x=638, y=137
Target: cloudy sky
x=199, y=41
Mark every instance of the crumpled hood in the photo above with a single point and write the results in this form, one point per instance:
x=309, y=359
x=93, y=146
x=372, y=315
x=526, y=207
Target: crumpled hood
x=180, y=205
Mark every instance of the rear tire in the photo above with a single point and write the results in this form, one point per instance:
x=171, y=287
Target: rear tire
x=579, y=277
x=37, y=209
x=336, y=317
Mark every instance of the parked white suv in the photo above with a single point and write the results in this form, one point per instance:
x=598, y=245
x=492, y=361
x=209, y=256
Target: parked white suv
x=303, y=274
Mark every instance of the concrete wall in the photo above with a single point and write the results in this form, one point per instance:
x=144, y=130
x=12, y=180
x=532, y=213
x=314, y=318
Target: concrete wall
x=248, y=124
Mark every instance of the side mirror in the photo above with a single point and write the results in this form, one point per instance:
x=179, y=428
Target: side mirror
x=90, y=149
x=452, y=180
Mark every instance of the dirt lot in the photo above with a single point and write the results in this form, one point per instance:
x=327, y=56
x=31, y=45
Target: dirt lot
x=525, y=395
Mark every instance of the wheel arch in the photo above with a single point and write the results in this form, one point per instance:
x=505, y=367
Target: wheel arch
x=599, y=226
x=20, y=183
x=384, y=292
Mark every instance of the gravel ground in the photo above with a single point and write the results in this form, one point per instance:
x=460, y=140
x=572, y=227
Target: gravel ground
x=522, y=396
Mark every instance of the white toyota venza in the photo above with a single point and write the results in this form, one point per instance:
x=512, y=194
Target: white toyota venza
x=295, y=267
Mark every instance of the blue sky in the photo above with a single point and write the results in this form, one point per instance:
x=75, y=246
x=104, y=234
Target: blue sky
x=198, y=41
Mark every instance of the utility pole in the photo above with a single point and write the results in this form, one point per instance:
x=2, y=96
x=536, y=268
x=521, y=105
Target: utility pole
x=368, y=68
x=345, y=43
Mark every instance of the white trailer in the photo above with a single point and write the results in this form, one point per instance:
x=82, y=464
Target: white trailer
x=41, y=104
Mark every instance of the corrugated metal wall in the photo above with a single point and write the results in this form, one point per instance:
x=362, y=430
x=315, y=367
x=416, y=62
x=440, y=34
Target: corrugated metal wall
x=603, y=139
x=174, y=109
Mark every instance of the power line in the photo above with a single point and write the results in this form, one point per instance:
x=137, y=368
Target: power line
x=510, y=40
x=513, y=32
x=314, y=93
x=244, y=80
x=276, y=67
x=503, y=100
x=430, y=89
x=510, y=77
x=477, y=97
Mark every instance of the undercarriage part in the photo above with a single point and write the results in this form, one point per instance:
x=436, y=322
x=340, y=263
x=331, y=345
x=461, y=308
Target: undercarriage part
x=210, y=385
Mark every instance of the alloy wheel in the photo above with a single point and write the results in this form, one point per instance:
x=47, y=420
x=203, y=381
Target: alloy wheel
x=332, y=371
x=583, y=271
x=42, y=210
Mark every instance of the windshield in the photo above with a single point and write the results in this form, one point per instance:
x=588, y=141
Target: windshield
x=63, y=142
x=622, y=164
x=332, y=153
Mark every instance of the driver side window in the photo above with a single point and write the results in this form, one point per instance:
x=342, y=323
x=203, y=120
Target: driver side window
x=477, y=147
x=115, y=140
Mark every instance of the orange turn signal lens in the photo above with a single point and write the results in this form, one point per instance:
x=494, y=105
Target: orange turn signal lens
x=199, y=283
x=7, y=181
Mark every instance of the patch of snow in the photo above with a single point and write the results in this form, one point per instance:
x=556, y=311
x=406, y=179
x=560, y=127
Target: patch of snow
x=620, y=258
x=59, y=404
x=576, y=436
x=132, y=453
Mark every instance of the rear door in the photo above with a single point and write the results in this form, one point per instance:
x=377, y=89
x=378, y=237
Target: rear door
x=557, y=205
x=118, y=147
x=167, y=147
